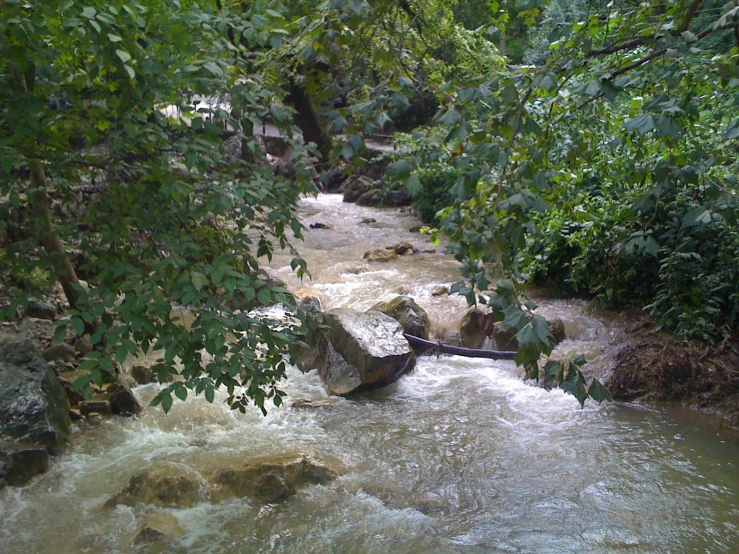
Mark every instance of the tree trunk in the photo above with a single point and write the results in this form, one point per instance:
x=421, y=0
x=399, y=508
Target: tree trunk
x=428, y=347
x=308, y=121
x=49, y=239
x=248, y=127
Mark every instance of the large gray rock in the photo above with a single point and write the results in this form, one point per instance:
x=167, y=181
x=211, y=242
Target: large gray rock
x=33, y=404
x=412, y=318
x=368, y=352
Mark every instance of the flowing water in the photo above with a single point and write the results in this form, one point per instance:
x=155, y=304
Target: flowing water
x=460, y=456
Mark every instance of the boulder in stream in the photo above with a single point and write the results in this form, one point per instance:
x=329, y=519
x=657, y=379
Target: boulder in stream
x=368, y=351
x=380, y=255
x=274, y=478
x=472, y=330
x=33, y=405
x=476, y=326
x=20, y=462
x=316, y=354
x=166, y=484
x=122, y=400
x=412, y=318
x=158, y=526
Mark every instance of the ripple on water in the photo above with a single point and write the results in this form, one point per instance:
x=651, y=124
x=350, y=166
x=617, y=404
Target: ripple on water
x=460, y=456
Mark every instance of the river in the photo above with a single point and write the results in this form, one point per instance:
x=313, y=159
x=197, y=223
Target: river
x=460, y=456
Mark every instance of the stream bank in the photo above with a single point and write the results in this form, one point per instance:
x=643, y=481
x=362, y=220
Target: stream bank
x=458, y=456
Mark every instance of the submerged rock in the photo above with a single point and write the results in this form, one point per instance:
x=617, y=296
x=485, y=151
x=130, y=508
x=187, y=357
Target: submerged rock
x=368, y=352
x=441, y=290
x=274, y=478
x=167, y=484
x=20, y=462
x=33, y=404
x=412, y=318
x=403, y=248
x=380, y=255
x=158, y=526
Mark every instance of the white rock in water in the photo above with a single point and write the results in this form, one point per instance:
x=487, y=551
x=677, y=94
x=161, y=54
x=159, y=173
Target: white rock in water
x=369, y=351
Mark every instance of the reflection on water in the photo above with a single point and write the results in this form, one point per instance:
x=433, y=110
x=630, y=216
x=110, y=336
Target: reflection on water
x=460, y=456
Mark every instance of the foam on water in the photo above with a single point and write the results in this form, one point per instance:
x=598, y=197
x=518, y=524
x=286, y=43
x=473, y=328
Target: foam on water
x=459, y=456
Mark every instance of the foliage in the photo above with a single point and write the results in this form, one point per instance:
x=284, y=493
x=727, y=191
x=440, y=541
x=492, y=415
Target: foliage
x=97, y=118
x=610, y=167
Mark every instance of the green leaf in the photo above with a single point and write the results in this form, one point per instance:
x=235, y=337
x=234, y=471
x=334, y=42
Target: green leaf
x=199, y=280
x=123, y=55
x=450, y=117
x=731, y=132
x=130, y=71
x=399, y=170
x=181, y=392
x=60, y=333
x=413, y=184
x=166, y=400
x=643, y=124
x=668, y=126
x=575, y=386
x=209, y=393
x=697, y=216
x=114, y=38
x=264, y=297
x=121, y=353
x=515, y=317
x=78, y=325
x=598, y=392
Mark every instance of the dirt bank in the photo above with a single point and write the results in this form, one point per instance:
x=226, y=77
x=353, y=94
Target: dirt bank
x=655, y=367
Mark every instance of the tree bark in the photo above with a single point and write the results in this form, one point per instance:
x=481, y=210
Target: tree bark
x=428, y=347
x=49, y=239
x=308, y=121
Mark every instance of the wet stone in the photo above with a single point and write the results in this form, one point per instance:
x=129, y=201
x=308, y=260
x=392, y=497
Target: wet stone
x=143, y=375
x=62, y=352
x=87, y=407
x=158, y=526
x=41, y=309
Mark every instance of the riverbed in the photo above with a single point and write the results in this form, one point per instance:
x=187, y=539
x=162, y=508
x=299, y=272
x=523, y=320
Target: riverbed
x=460, y=456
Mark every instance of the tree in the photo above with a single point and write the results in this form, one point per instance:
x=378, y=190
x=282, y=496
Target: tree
x=104, y=151
x=610, y=166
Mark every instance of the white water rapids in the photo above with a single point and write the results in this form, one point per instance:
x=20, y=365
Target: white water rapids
x=460, y=456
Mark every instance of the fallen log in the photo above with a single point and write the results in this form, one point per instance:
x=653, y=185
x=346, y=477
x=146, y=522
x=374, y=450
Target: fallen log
x=428, y=347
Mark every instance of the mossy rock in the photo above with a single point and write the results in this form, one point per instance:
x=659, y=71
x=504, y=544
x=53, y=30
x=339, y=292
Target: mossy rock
x=412, y=318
